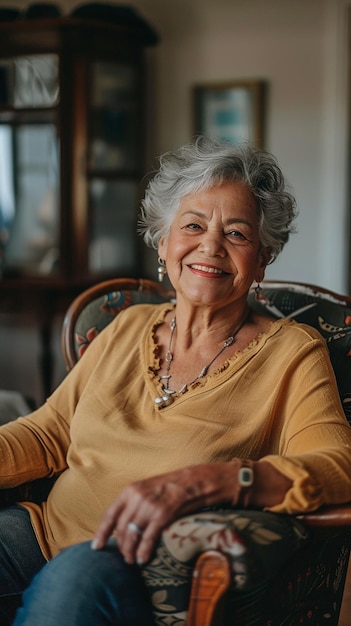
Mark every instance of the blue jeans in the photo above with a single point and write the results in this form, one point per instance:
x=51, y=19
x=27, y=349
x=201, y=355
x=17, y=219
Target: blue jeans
x=84, y=587
x=20, y=559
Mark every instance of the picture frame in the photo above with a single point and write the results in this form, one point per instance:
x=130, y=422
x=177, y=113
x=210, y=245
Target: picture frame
x=233, y=111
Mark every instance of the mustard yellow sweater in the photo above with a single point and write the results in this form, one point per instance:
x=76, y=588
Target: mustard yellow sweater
x=275, y=400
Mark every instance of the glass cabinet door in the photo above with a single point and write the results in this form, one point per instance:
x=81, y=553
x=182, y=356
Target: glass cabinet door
x=113, y=160
x=112, y=226
x=29, y=165
x=29, y=198
x=30, y=81
x=114, y=117
x=32, y=136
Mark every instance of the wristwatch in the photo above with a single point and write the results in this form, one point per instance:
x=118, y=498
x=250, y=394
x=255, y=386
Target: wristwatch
x=245, y=481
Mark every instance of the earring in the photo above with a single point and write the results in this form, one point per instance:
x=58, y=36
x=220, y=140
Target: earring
x=161, y=270
x=261, y=297
x=258, y=292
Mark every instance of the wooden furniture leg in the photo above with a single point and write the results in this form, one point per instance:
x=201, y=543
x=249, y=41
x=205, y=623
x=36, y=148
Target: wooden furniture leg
x=211, y=579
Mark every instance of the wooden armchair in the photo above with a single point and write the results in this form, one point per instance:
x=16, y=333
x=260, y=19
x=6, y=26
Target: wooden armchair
x=248, y=568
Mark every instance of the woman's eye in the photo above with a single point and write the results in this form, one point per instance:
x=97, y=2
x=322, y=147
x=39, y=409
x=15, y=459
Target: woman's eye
x=193, y=226
x=236, y=234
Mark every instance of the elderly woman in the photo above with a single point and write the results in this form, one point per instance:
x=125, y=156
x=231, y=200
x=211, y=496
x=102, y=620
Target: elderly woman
x=175, y=407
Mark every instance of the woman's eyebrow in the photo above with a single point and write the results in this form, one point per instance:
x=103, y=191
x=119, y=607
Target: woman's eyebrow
x=227, y=222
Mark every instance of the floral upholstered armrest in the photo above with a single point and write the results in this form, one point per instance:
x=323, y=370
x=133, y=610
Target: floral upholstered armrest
x=257, y=544
x=101, y=311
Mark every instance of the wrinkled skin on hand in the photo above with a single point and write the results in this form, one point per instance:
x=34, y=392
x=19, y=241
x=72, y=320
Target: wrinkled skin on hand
x=153, y=503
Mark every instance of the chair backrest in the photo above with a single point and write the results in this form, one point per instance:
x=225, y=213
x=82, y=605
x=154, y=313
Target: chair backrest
x=327, y=311
x=97, y=306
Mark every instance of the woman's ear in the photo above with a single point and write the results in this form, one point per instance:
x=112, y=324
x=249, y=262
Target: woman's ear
x=162, y=247
x=265, y=255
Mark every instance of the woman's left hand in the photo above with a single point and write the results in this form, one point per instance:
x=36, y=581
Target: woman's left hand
x=146, y=507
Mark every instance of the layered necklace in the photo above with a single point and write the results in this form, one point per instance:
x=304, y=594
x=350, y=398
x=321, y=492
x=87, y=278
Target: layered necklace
x=168, y=395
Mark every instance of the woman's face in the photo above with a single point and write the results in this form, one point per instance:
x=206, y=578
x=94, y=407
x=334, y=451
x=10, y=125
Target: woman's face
x=213, y=253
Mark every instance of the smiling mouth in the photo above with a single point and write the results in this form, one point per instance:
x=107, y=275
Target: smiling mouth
x=206, y=269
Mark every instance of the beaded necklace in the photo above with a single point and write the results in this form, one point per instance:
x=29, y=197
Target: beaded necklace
x=168, y=395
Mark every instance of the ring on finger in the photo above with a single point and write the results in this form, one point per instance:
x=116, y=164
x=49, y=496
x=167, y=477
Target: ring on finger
x=135, y=528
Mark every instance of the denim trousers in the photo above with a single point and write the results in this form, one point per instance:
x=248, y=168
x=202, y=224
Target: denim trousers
x=79, y=587
x=20, y=559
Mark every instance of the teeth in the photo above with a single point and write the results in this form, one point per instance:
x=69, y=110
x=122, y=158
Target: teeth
x=204, y=268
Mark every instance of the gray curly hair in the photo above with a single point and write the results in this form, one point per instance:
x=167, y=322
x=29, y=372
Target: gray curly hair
x=207, y=163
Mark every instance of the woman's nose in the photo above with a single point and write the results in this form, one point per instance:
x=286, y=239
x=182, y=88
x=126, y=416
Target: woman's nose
x=212, y=243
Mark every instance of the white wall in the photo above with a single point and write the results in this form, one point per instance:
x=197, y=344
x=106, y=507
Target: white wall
x=300, y=48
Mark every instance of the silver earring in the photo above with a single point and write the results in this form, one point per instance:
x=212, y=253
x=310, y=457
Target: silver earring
x=161, y=270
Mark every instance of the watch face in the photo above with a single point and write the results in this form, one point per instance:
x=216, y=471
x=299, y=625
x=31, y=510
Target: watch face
x=36, y=81
x=245, y=476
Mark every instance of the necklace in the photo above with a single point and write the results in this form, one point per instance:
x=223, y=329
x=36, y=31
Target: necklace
x=168, y=394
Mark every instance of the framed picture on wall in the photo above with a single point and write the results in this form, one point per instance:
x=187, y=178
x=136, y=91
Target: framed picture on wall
x=232, y=111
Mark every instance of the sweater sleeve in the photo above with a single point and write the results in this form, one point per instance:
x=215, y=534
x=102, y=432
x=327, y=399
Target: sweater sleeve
x=315, y=437
x=36, y=445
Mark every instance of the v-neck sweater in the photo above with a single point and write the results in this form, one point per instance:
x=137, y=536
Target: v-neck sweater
x=276, y=400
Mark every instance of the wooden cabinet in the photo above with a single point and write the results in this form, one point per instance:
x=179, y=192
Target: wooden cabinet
x=72, y=143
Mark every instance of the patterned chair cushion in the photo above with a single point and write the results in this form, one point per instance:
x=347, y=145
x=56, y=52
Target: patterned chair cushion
x=329, y=316
x=307, y=590
x=100, y=312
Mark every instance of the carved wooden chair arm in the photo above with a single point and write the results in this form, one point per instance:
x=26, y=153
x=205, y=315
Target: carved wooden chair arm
x=211, y=580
